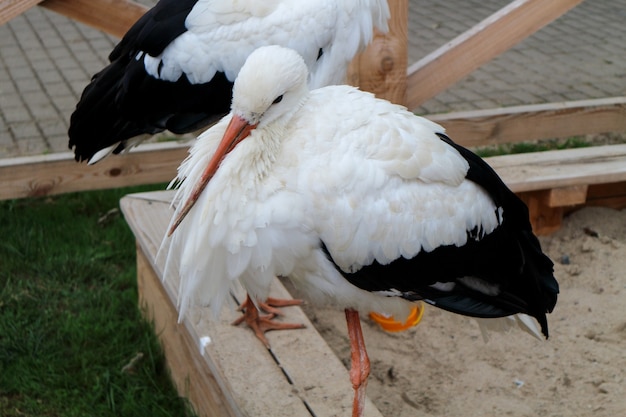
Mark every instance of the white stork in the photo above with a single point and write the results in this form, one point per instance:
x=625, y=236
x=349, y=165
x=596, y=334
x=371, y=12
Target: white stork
x=361, y=203
x=175, y=67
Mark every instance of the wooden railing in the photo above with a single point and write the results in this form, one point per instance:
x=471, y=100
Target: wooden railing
x=382, y=69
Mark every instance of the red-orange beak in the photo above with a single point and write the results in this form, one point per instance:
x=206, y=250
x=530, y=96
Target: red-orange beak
x=237, y=130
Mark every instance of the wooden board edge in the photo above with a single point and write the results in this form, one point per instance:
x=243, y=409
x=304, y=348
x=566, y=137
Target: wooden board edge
x=189, y=371
x=59, y=173
x=547, y=170
x=516, y=124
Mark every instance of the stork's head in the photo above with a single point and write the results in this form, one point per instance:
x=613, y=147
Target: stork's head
x=269, y=87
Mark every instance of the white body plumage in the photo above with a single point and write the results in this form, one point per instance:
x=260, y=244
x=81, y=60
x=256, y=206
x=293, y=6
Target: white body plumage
x=222, y=33
x=366, y=177
x=363, y=204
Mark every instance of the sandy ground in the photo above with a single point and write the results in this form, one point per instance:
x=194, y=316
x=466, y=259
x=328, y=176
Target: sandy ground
x=443, y=367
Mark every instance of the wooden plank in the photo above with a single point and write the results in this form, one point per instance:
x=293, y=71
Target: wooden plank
x=531, y=122
x=12, y=8
x=544, y=219
x=611, y=195
x=381, y=68
x=114, y=17
x=440, y=69
x=546, y=208
x=59, y=173
x=154, y=163
x=561, y=168
x=251, y=381
x=567, y=196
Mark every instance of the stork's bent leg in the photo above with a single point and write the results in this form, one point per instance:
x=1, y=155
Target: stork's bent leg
x=261, y=324
x=360, y=362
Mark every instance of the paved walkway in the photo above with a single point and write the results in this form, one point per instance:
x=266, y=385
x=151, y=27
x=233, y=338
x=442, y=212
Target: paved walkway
x=46, y=60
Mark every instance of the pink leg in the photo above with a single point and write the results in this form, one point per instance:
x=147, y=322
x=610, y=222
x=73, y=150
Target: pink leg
x=272, y=306
x=261, y=324
x=360, y=366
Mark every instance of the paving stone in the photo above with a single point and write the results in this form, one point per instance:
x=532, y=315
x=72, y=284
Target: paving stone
x=43, y=110
x=58, y=143
x=65, y=103
x=32, y=146
x=46, y=60
x=8, y=92
x=24, y=130
x=27, y=85
x=53, y=127
x=16, y=114
x=57, y=89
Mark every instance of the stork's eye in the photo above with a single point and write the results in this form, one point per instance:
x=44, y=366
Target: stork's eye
x=278, y=99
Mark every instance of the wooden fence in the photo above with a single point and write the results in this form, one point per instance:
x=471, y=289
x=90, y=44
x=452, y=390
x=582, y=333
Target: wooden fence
x=382, y=69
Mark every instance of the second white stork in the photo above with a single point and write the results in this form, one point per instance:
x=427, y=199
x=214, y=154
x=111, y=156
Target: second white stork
x=174, y=69
x=361, y=203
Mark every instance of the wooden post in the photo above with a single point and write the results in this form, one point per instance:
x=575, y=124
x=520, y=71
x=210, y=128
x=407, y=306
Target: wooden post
x=381, y=68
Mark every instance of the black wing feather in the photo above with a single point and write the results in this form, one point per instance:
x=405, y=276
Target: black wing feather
x=123, y=101
x=156, y=29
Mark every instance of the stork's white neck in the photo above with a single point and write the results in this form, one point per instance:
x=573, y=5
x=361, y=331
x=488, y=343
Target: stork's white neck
x=258, y=154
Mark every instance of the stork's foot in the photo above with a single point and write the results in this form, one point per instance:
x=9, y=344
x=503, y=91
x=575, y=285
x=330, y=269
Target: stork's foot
x=261, y=324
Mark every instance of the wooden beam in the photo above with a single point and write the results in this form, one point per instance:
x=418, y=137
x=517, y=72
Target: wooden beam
x=611, y=195
x=440, y=69
x=546, y=208
x=12, y=8
x=561, y=168
x=537, y=121
x=572, y=195
x=114, y=17
x=59, y=173
x=543, y=218
x=381, y=68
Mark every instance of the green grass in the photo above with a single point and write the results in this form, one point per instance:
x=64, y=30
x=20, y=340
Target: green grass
x=537, y=146
x=69, y=320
